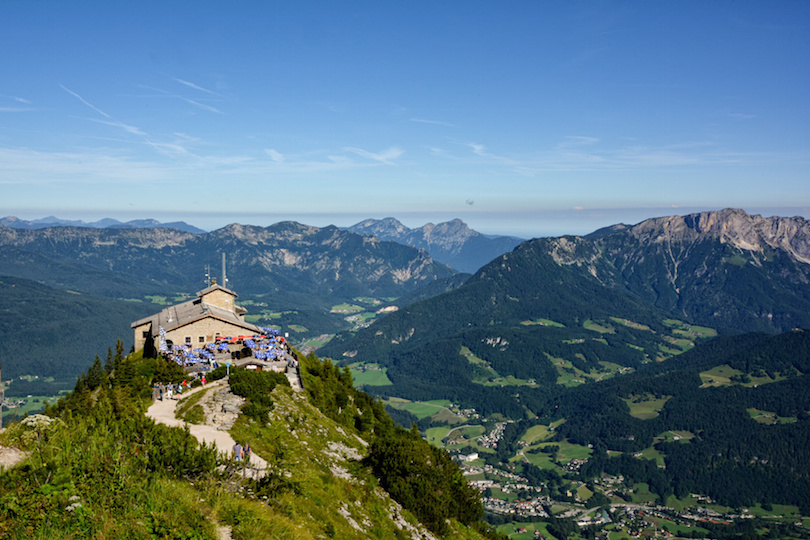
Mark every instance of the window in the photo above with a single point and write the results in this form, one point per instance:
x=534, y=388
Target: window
x=145, y=334
x=188, y=340
x=201, y=339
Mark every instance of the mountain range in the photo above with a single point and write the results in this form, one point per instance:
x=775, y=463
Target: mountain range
x=581, y=306
x=106, y=223
x=292, y=268
x=451, y=242
x=726, y=270
x=665, y=354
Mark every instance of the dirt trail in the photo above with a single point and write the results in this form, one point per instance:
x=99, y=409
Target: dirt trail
x=163, y=412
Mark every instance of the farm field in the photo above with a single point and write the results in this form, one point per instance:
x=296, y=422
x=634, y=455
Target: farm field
x=645, y=407
x=362, y=375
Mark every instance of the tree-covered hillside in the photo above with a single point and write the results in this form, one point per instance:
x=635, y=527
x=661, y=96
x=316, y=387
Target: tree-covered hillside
x=740, y=407
x=97, y=467
x=53, y=333
x=524, y=316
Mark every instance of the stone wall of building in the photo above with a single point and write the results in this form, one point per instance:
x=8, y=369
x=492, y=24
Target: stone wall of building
x=205, y=331
x=221, y=299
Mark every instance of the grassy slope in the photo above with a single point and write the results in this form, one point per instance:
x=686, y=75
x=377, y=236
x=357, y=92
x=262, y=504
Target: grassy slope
x=316, y=488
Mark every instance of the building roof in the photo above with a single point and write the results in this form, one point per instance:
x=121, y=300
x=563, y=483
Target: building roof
x=216, y=287
x=174, y=317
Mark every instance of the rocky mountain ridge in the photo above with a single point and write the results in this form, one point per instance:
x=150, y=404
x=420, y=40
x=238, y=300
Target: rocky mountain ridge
x=286, y=255
x=731, y=226
x=451, y=242
x=697, y=269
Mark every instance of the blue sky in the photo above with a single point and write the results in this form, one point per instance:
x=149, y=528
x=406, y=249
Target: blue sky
x=524, y=118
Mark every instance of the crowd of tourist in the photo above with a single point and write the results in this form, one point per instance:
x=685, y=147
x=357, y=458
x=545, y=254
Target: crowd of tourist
x=174, y=391
x=268, y=346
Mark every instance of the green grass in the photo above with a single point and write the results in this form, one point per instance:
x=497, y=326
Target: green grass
x=645, y=407
x=487, y=374
x=298, y=328
x=189, y=410
x=419, y=409
x=571, y=376
x=653, y=454
x=510, y=529
x=602, y=329
x=539, y=460
x=543, y=322
x=584, y=493
x=690, y=330
x=368, y=300
x=436, y=435
x=370, y=377
x=778, y=510
x=317, y=342
x=536, y=433
x=630, y=324
x=770, y=418
x=680, y=436
x=465, y=432
x=641, y=493
x=33, y=404
x=569, y=451
x=506, y=381
x=719, y=376
x=346, y=308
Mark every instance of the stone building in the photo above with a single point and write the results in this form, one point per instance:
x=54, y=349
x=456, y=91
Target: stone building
x=212, y=314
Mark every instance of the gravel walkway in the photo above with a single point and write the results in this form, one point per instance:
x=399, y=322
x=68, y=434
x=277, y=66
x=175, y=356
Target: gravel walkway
x=163, y=412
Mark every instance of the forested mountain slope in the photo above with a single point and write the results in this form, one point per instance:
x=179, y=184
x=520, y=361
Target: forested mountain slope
x=54, y=333
x=733, y=421
x=97, y=467
x=723, y=269
x=287, y=256
x=580, y=307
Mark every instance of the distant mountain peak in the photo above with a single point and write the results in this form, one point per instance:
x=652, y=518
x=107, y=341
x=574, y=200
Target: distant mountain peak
x=451, y=242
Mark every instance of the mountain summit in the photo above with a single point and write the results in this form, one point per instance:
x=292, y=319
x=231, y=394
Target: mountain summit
x=724, y=268
x=451, y=242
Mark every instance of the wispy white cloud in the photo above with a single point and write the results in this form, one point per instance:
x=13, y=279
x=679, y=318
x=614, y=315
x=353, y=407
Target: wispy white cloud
x=16, y=98
x=22, y=166
x=387, y=156
x=479, y=149
x=482, y=151
x=436, y=122
x=276, y=156
x=195, y=86
x=129, y=129
x=577, y=140
x=80, y=98
x=202, y=106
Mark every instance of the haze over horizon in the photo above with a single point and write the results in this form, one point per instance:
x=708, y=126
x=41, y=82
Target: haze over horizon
x=532, y=119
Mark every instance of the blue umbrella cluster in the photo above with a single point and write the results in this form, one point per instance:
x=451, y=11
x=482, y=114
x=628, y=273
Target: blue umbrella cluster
x=264, y=347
